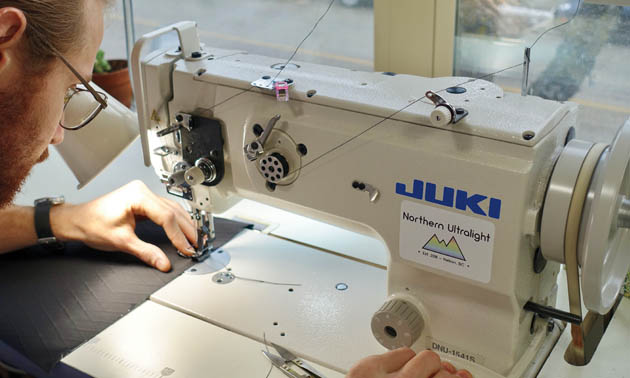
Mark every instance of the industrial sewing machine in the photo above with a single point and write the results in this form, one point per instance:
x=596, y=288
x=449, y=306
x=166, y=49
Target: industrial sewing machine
x=477, y=194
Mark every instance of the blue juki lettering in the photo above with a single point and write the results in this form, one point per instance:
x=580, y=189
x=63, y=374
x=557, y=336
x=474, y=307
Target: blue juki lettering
x=474, y=203
x=464, y=201
x=447, y=197
x=418, y=188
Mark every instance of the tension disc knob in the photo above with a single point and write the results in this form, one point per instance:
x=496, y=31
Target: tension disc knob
x=397, y=324
x=441, y=116
x=203, y=171
x=195, y=176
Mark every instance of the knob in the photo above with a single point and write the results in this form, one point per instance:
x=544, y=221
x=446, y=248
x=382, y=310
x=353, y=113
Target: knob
x=195, y=176
x=441, y=116
x=177, y=178
x=397, y=324
x=204, y=171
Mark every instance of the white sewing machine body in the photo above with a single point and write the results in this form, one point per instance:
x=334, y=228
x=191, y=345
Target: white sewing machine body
x=457, y=206
x=472, y=307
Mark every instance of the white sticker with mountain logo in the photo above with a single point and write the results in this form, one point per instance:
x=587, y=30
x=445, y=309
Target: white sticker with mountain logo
x=447, y=240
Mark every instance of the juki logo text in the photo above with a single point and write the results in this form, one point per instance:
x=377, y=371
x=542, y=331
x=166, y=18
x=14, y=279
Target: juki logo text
x=454, y=198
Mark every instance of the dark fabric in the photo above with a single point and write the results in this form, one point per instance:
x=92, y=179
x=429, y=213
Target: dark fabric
x=11, y=359
x=51, y=303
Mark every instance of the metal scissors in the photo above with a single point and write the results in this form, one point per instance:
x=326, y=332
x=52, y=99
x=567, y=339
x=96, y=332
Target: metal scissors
x=287, y=362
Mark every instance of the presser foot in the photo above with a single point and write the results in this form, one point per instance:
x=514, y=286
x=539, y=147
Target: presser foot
x=199, y=255
x=203, y=254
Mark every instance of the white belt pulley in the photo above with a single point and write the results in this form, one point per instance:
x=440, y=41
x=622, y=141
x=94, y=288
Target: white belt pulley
x=586, y=217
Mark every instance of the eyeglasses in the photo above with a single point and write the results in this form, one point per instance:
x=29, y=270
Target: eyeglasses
x=82, y=103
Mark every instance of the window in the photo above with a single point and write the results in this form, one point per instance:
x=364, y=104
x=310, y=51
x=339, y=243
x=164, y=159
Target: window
x=584, y=61
x=114, y=38
x=273, y=27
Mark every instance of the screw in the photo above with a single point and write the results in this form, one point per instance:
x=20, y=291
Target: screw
x=258, y=130
x=302, y=149
x=179, y=118
x=550, y=326
x=196, y=54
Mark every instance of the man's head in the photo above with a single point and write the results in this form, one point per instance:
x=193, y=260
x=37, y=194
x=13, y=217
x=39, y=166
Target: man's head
x=33, y=81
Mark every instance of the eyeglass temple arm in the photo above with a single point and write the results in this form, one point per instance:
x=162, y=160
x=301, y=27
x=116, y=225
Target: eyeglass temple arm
x=87, y=85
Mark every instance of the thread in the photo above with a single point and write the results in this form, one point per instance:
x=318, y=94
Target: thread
x=577, y=11
x=255, y=279
x=441, y=90
x=408, y=104
x=304, y=40
x=286, y=63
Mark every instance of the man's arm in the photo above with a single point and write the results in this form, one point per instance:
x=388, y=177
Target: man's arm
x=108, y=223
x=17, y=228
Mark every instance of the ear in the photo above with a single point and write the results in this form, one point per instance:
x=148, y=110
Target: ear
x=12, y=26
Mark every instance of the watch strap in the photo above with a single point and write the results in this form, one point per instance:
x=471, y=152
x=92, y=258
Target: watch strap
x=43, y=229
x=42, y=221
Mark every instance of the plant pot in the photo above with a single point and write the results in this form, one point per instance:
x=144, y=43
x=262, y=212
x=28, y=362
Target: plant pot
x=116, y=83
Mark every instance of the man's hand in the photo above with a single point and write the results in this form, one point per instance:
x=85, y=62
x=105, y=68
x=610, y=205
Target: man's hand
x=108, y=223
x=404, y=363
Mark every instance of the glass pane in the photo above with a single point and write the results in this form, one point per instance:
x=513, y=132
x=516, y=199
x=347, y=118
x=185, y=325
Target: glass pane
x=584, y=61
x=114, y=38
x=273, y=27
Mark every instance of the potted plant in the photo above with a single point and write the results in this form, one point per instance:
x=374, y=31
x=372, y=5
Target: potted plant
x=113, y=77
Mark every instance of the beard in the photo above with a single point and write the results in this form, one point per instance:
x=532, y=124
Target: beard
x=20, y=138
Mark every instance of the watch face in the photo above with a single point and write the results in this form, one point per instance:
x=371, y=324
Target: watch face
x=51, y=200
x=57, y=200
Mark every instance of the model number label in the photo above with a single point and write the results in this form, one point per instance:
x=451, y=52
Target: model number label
x=455, y=352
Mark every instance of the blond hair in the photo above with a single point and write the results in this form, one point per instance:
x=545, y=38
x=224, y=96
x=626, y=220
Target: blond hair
x=52, y=25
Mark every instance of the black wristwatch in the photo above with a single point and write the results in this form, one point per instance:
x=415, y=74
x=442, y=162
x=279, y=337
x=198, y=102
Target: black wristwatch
x=43, y=229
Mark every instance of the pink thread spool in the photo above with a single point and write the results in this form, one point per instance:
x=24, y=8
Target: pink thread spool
x=282, y=91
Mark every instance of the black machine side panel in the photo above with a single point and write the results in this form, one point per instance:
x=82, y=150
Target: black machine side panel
x=204, y=140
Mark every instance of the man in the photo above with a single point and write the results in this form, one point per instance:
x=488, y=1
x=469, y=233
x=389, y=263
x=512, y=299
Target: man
x=35, y=37
x=47, y=48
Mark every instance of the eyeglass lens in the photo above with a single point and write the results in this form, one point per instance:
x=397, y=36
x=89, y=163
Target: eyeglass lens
x=79, y=107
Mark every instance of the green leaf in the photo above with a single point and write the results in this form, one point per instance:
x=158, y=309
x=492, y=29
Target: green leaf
x=101, y=64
